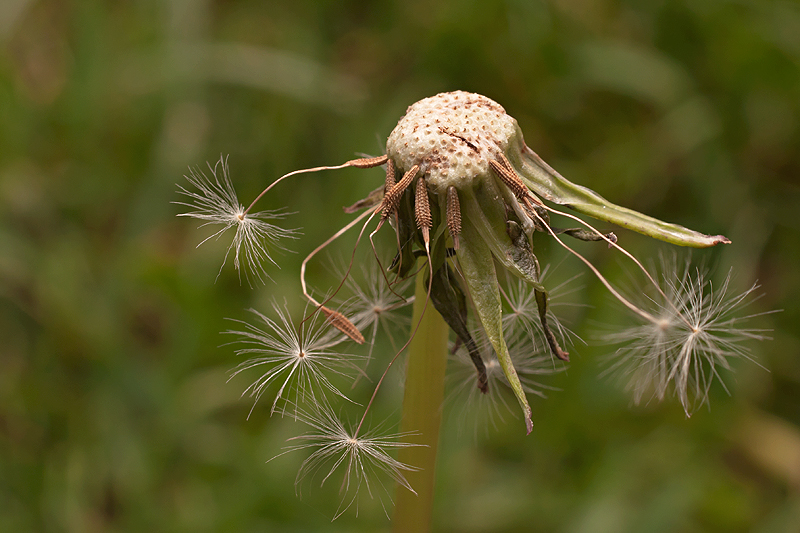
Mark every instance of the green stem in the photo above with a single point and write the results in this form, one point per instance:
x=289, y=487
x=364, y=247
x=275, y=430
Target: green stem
x=422, y=413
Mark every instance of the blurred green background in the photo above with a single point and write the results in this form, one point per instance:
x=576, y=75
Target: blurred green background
x=115, y=413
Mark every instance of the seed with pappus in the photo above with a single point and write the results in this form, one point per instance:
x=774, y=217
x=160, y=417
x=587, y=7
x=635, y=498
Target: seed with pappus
x=698, y=330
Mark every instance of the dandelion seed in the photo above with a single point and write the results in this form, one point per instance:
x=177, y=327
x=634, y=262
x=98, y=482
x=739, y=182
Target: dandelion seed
x=363, y=461
x=298, y=359
x=694, y=334
x=215, y=202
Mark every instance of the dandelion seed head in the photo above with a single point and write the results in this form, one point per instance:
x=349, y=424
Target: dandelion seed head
x=464, y=155
x=452, y=137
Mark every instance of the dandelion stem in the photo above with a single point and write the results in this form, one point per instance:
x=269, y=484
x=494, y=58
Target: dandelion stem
x=422, y=402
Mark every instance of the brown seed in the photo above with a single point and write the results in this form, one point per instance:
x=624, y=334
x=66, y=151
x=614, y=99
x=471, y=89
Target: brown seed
x=510, y=178
x=453, y=215
x=529, y=199
x=368, y=162
x=390, y=180
x=506, y=163
x=343, y=324
x=392, y=197
x=422, y=210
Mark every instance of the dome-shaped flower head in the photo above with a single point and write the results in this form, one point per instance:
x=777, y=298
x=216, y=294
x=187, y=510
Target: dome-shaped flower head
x=471, y=193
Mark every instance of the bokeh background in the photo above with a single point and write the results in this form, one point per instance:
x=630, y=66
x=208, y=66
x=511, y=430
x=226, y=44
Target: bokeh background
x=115, y=409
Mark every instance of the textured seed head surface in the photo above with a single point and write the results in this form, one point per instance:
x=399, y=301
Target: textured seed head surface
x=452, y=137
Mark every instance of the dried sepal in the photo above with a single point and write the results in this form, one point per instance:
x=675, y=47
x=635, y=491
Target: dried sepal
x=586, y=235
x=448, y=298
x=525, y=260
x=477, y=264
x=546, y=183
